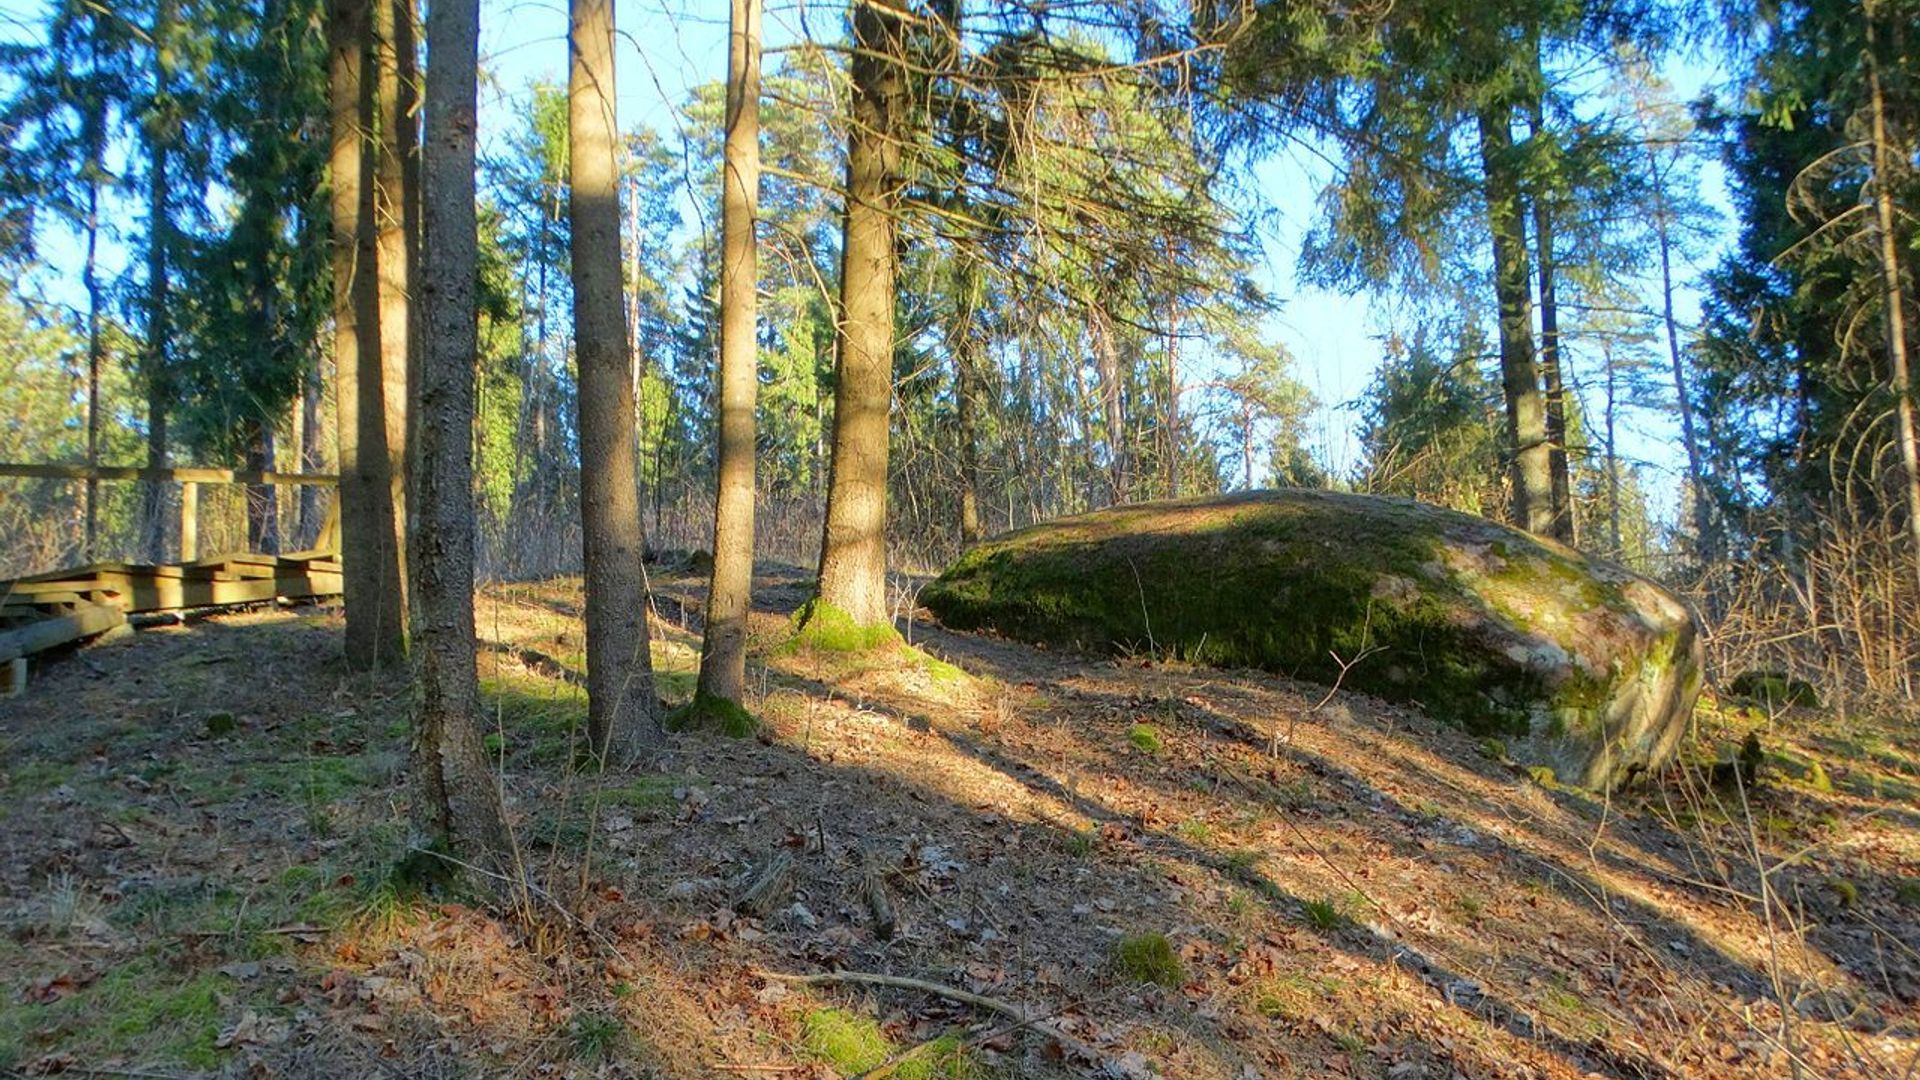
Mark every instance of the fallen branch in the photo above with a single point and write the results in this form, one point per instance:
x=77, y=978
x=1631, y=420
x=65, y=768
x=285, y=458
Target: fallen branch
x=892, y=1065
x=874, y=887
x=951, y=993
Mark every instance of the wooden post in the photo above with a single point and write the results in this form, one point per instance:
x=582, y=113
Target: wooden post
x=189, y=521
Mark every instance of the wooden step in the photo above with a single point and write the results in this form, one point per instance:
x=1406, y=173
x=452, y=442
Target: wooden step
x=83, y=622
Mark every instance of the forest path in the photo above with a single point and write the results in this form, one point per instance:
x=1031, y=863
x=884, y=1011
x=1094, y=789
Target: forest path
x=200, y=827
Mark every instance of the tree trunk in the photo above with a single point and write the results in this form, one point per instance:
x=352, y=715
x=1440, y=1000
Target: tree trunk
x=1246, y=441
x=1564, y=525
x=1706, y=536
x=621, y=712
x=1894, y=316
x=262, y=503
x=1562, y=528
x=1519, y=378
x=456, y=805
x=1173, y=400
x=96, y=351
x=370, y=556
x=311, y=459
x=963, y=345
x=853, y=551
x=1113, y=403
x=155, y=520
x=1613, y=455
x=723, y=655
x=394, y=178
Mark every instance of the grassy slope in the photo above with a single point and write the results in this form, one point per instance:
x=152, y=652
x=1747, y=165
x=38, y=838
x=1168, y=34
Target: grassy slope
x=1358, y=901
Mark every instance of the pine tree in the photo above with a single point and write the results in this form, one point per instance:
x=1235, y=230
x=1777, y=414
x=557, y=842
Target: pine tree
x=621, y=717
x=457, y=807
x=723, y=652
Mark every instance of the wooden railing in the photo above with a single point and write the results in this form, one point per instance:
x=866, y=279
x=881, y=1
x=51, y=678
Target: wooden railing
x=189, y=480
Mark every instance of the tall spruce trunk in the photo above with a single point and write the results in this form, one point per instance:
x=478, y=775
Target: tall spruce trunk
x=311, y=460
x=853, y=551
x=1113, y=403
x=456, y=804
x=1173, y=400
x=154, y=520
x=723, y=655
x=96, y=347
x=1565, y=526
x=964, y=347
x=394, y=177
x=262, y=501
x=621, y=710
x=1553, y=376
x=1893, y=314
x=1532, y=474
x=1613, y=453
x=370, y=567
x=1706, y=536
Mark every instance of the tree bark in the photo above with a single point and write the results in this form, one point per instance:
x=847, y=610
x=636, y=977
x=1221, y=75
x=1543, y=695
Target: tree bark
x=1893, y=315
x=964, y=346
x=396, y=143
x=1613, y=454
x=96, y=348
x=370, y=568
x=456, y=805
x=1113, y=403
x=853, y=551
x=621, y=711
x=157, y=376
x=1563, y=525
x=262, y=502
x=1706, y=536
x=723, y=655
x=311, y=460
x=1519, y=376
x=1173, y=399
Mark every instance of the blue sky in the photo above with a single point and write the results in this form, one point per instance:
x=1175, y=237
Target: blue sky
x=668, y=46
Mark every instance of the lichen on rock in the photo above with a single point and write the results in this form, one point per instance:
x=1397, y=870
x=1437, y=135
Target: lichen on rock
x=1573, y=662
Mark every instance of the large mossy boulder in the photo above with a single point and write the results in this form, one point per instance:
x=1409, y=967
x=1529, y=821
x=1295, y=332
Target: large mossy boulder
x=1571, y=662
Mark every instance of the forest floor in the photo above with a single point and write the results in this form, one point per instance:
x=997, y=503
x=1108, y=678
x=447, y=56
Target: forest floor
x=1177, y=872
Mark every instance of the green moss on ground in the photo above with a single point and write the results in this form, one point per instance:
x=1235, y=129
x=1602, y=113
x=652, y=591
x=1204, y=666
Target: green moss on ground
x=143, y=1010
x=1774, y=690
x=820, y=625
x=1149, y=958
x=1417, y=602
x=1250, y=584
x=711, y=713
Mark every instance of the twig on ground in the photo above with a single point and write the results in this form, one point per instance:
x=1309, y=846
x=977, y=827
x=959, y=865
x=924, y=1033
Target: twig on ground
x=951, y=993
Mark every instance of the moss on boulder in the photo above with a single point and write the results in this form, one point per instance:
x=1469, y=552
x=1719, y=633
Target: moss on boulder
x=1574, y=663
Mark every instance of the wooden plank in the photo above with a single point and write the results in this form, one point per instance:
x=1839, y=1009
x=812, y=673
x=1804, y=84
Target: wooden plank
x=42, y=588
x=175, y=595
x=34, y=637
x=306, y=585
x=67, y=597
x=163, y=475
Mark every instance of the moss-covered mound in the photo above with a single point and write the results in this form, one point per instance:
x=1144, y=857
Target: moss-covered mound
x=1576, y=664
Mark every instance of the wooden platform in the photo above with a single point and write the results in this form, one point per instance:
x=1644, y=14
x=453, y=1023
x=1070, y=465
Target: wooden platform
x=63, y=606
